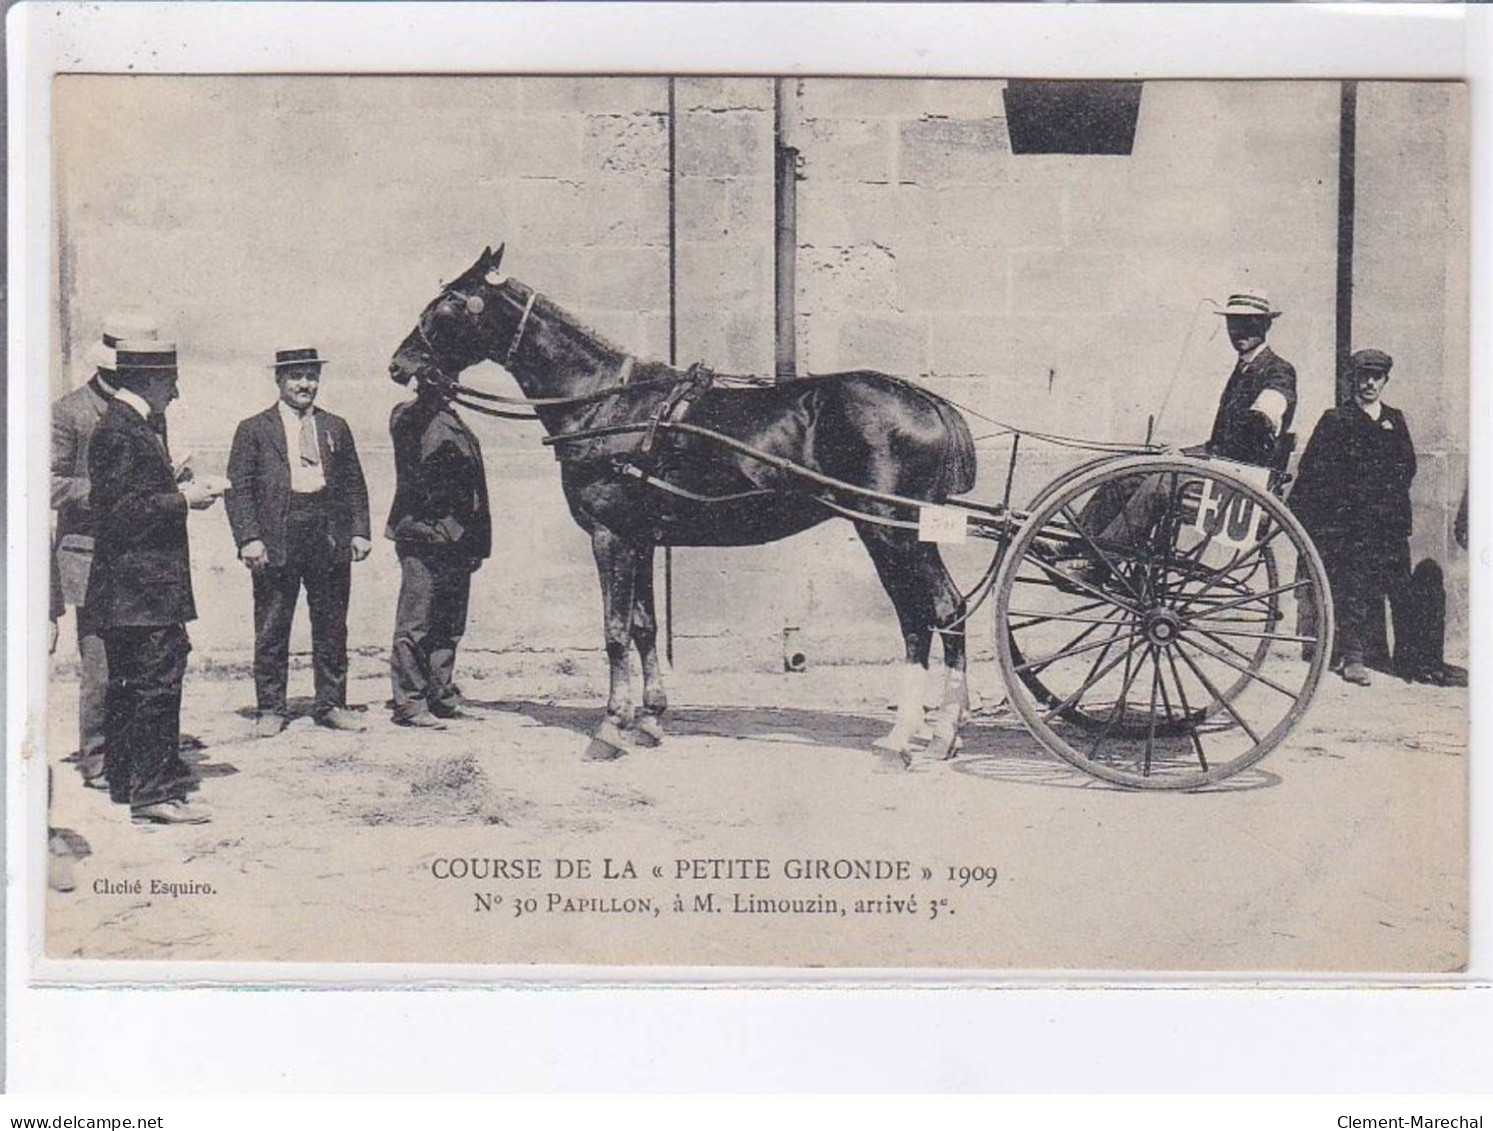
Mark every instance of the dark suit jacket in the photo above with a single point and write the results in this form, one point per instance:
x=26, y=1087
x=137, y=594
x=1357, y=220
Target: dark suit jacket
x=75, y=417
x=1237, y=434
x=440, y=491
x=142, y=570
x=1353, y=483
x=259, y=468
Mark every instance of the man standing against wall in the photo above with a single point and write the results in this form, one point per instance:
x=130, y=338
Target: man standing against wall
x=75, y=417
x=299, y=514
x=442, y=530
x=140, y=585
x=1352, y=494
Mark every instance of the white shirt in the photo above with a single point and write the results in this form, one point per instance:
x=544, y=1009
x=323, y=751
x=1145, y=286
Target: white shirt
x=1375, y=409
x=133, y=400
x=303, y=479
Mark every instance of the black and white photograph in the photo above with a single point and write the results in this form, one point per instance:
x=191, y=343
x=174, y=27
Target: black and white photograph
x=1005, y=525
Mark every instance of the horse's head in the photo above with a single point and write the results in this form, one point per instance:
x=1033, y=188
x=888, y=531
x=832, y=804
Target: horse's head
x=478, y=317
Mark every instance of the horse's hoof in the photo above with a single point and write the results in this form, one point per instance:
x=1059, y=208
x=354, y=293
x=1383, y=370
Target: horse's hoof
x=599, y=751
x=649, y=732
x=607, y=744
x=943, y=747
x=896, y=741
x=893, y=761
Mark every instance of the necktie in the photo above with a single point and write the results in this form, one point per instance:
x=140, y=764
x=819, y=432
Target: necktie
x=310, y=453
x=157, y=424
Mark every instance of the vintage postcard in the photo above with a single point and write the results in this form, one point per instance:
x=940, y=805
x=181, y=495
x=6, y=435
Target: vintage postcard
x=903, y=524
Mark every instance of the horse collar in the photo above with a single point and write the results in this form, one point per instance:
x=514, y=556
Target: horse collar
x=518, y=334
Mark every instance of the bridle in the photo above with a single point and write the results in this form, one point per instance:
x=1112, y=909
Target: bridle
x=467, y=302
x=464, y=395
x=518, y=333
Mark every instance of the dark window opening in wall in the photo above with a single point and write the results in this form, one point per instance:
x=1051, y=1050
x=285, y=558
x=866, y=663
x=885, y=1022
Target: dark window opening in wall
x=1072, y=117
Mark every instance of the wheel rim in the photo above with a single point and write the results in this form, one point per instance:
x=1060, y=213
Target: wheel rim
x=1149, y=645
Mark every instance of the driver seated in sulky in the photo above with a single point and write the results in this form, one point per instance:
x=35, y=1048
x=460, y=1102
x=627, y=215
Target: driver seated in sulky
x=1254, y=413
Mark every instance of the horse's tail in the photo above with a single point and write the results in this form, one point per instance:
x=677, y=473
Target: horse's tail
x=959, y=466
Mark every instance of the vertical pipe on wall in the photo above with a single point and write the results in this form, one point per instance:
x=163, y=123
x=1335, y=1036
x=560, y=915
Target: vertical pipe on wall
x=673, y=360
x=1346, y=186
x=785, y=229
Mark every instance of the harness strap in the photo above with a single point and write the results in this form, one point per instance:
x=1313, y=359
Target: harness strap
x=633, y=471
x=518, y=334
x=675, y=407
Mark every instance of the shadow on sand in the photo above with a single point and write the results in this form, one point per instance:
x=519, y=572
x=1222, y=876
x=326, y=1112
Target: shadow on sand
x=994, y=748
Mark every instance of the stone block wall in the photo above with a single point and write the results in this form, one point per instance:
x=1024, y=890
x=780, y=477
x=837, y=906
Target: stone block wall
x=1059, y=293
x=256, y=213
x=1410, y=296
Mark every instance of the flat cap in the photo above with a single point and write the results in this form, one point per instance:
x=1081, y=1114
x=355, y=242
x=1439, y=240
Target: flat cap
x=1371, y=359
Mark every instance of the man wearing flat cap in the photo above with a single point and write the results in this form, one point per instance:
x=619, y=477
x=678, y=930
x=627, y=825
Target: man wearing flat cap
x=299, y=514
x=441, y=527
x=140, y=584
x=1352, y=494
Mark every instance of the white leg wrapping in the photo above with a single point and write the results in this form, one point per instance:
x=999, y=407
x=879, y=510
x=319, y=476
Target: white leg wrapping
x=909, y=708
x=955, y=698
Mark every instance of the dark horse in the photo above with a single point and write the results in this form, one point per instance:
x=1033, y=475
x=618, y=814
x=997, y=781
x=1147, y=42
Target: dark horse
x=862, y=428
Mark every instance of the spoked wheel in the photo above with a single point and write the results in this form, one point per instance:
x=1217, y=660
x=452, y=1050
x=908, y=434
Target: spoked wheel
x=1142, y=624
x=1136, y=718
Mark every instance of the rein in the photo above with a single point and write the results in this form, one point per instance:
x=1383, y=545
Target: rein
x=624, y=386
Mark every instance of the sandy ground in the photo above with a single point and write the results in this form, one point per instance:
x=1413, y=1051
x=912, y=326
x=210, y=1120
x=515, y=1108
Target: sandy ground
x=1344, y=850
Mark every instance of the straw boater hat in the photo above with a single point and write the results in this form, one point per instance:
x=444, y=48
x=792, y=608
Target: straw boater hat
x=129, y=328
x=285, y=359
x=143, y=356
x=1245, y=305
x=120, y=328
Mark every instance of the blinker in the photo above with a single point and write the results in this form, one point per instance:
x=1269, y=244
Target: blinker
x=475, y=305
x=495, y=278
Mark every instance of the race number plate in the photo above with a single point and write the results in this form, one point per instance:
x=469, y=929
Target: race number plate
x=942, y=524
x=1231, y=517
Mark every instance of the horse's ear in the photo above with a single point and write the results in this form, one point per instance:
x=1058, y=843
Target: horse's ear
x=494, y=277
x=477, y=268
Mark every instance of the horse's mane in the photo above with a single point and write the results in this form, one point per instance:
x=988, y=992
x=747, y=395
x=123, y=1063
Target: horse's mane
x=568, y=321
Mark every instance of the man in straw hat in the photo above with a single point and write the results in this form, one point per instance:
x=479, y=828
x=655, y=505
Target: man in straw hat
x=140, y=584
x=1254, y=412
x=75, y=417
x=1260, y=398
x=1352, y=494
x=299, y=514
